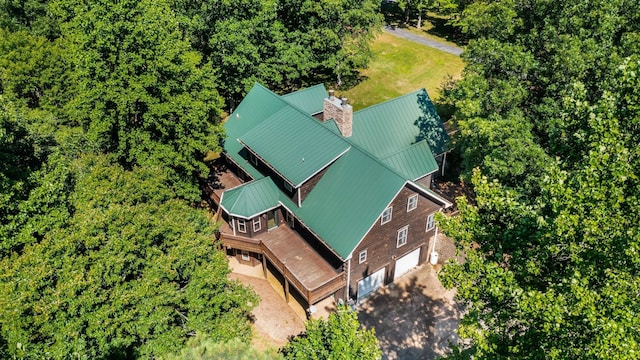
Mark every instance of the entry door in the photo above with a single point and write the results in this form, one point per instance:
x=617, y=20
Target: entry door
x=406, y=263
x=370, y=283
x=272, y=219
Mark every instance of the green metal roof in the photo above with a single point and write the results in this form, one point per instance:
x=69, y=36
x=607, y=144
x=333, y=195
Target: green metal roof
x=295, y=145
x=259, y=104
x=309, y=100
x=390, y=146
x=413, y=162
x=251, y=199
x=396, y=124
x=348, y=200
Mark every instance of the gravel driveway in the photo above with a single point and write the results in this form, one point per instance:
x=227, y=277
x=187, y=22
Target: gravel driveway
x=415, y=318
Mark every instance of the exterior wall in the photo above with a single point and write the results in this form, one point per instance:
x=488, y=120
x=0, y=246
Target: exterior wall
x=254, y=258
x=306, y=188
x=250, y=233
x=381, y=240
x=426, y=181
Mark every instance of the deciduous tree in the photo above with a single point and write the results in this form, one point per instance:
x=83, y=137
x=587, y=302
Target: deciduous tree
x=339, y=337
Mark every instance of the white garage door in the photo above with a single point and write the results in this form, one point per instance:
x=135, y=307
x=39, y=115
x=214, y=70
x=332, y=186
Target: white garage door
x=370, y=283
x=407, y=263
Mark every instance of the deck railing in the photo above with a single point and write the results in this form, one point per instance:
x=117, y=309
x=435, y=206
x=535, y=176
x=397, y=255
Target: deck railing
x=255, y=245
x=241, y=243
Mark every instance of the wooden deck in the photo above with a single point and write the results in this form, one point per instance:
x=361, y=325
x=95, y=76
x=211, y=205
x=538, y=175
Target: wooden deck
x=301, y=266
x=294, y=258
x=221, y=180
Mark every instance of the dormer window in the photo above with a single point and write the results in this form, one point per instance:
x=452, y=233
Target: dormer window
x=412, y=203
x=386, y=215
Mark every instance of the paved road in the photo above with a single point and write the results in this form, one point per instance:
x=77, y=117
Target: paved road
x=421, y=40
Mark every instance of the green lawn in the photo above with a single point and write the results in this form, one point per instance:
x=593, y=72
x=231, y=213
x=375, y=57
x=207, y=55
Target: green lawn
x=400, y=66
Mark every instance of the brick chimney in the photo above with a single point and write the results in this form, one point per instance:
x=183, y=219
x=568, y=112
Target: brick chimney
x=340, y=111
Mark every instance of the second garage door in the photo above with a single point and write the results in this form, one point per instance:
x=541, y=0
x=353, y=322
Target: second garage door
x=370, y=283
x=406, y=263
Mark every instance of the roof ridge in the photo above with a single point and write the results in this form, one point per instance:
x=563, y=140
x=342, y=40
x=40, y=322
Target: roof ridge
x=394, y=99
x=300, y=90
x=376, y=159
x=309, y=117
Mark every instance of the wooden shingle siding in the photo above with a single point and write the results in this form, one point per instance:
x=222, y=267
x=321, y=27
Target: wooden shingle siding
x=306, y=188
x=380, y=242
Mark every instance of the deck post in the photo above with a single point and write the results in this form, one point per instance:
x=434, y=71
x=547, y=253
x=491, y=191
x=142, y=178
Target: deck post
x=286, y=283
x=264, y=266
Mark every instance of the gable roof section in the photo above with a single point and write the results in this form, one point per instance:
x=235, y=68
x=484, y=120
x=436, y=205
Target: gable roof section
x=295, y=147
x=257, y=106
x=350, y=197
x=392, y=126
x=309, y=100
x=413, y=162
x=251, y=199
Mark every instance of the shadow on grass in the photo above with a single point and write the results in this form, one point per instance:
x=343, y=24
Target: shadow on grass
x=442, y=27
x=409, y=323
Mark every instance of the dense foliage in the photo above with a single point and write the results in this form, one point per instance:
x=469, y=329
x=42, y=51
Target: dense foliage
x=107, y=109
x=285, y=44
x=202, y=348
x=339, y=337
x=128, y=272
x=548, y=114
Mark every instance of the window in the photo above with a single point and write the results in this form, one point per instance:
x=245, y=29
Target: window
x=256, y=224
x=386, y=215
x=431, y=223
x=362, y=257
x=245, y=255
x=242, y=227
x=253, y=158
x=402, y=236
x=412, y=203
x=288, y=187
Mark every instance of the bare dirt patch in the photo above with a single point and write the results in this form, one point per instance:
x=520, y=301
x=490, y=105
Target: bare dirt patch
x=274, y=320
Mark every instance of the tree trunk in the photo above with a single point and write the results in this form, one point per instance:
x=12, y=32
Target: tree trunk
x=419, y=20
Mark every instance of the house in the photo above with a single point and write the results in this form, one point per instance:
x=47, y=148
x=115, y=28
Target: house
x=331, y=201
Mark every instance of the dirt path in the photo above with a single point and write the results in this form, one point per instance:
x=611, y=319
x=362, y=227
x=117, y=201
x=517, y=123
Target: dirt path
x=422, y=40
x=275, y=321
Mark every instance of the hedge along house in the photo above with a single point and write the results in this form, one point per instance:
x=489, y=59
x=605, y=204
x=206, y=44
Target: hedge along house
x=333, y=202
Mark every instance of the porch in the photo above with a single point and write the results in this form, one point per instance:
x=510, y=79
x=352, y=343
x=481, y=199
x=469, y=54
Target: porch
x=282, y=248
x=299, y=264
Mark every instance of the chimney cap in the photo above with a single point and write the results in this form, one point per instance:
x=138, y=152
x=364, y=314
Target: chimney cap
x=344, y=101
x=331, y=94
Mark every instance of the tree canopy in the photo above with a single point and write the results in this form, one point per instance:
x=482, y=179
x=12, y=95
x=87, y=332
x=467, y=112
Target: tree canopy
x=548, y=134
x=129, y=272
x=339, y=337
x=107, y=110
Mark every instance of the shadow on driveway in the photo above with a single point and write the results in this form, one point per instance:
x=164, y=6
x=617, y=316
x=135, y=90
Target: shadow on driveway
x=415, y=318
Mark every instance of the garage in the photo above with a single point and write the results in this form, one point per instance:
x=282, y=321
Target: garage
x=370, y=283
x=406, y=263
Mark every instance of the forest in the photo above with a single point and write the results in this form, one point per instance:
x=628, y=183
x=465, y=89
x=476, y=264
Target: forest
x=108, y=109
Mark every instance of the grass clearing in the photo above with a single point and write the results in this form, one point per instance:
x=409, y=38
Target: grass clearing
x=400, y=66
